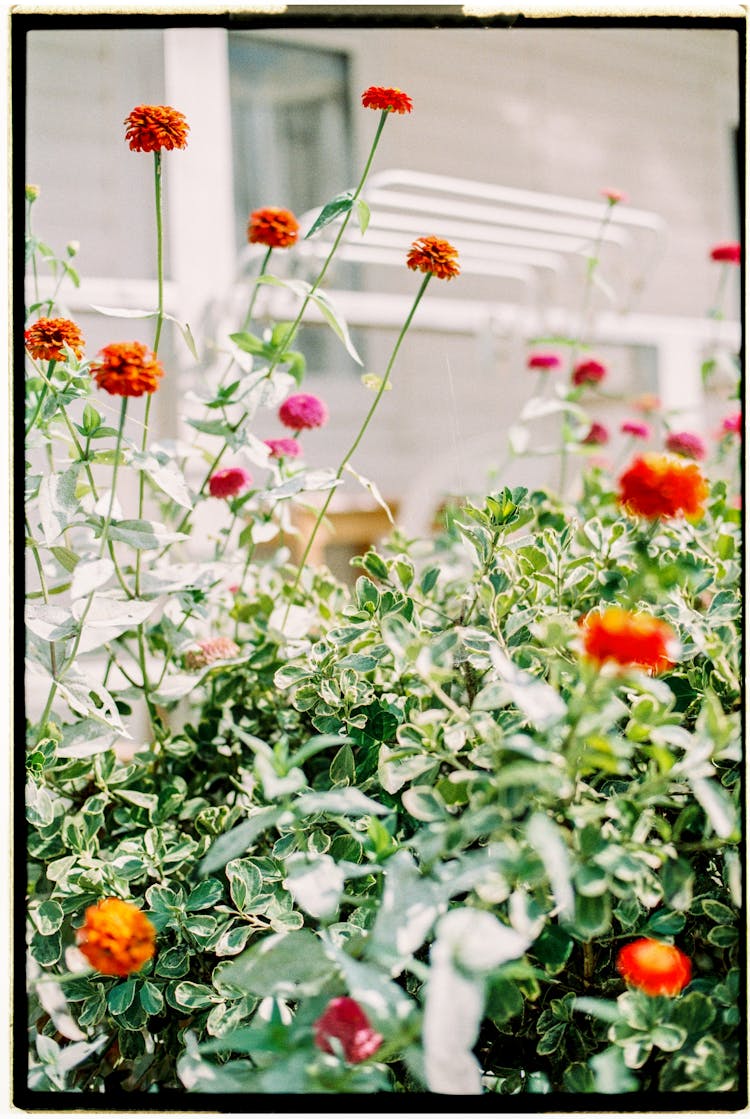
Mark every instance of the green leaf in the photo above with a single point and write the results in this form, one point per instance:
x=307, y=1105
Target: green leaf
x=58, y=505
x=65, y=557
x=424, y=803
x=316, y=884
x=89, y=575
x=239, y=839
x=611, y=1075
x=347, y=802
x=285, y=965
x=548, y=843
x=194, y=996
x=166, y=477
x=602, y=1009
x=664, y=923
x=723, y=936
x=47, y=916
x=144, y=535
x=151, y=998
x=251, y=344
x=717, y=911
x=107, y=617
x=336, y=322
x=245, y=882
x=363, y=215
x=120, y=997
x=204, y=896
x=341, y=204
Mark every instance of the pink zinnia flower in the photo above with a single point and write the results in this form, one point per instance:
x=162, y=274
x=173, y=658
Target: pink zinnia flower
x=589, y=372
x=635, y=428
x=597, y=435
x=211, y=650
x=543, y=361
x=613, y=195
x=283, y=448
x=229, y=482
x=732, y=424
x=685, y=443
x=345, y=1020
x=730, y=252
x=303, y=411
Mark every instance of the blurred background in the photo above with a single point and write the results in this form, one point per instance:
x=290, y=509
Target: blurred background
x=540, y=120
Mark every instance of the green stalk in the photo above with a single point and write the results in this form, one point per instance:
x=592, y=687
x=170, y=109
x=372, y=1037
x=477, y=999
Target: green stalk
x=159, y=249
x=359, y=435
x=45, y=388
x=249, y=316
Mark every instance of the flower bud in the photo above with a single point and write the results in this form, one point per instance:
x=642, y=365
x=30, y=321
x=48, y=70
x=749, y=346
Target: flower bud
x=32, y=192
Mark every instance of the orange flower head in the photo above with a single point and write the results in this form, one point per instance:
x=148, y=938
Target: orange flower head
x=653, y=967
x=662, y=486
x=46, y=337
x=116, y=938
x=272, y=226
x=629, y=639
x=433, y=254
x=388, y=100
x=151, y=128
x=127, y=369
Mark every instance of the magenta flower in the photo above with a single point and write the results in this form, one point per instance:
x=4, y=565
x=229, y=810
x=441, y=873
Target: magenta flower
x=229, y=482
x=283, y=448
x=635, y=428
x=303, y=411
x=732, y=424
x=543, y=361
x=597, y=435
x=589, y=372
x=685, y=443
x=613, y=195
x=345, y=1020
x=729, y=252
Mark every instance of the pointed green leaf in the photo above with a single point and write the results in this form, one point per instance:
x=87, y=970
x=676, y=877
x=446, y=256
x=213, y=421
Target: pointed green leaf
x=341, y=204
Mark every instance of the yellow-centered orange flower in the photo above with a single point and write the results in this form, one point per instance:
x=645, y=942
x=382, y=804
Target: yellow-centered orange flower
x=434, y=255
x=127, y=369
x=116, y=938
x=272, y=226
x=629, y=638
x=662, y=486
x=46, y=337
x=151, y=128
x=388, y=100
x=653, y=967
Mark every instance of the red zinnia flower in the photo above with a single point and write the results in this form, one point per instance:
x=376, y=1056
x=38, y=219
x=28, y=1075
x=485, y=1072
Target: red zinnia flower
x=388, y=100
x=46, y=337
x=303, y=411
x=635, y=428
x=345, y=1020
x=127, y=369
x=150, y=128
x=732, y=424
x=589, y=372
x=433, y=254
x=685, y=443
x=283, y=448
x=116, y=938
x=662, y=486
x=597, y=435
x=213, y=649
x=272, y=226
x=543, y=361
x=229, y=482
x=628, y=639
x=613, y=195
x=729, y=252
x=653, y=967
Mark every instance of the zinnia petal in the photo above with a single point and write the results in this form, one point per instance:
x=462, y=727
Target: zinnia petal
x=127, y=369
x=116, y=938
x=151, y=128
x=272, y=226
x=433, y=255
x=654, y=967
x=387, y=100
x=46, y=338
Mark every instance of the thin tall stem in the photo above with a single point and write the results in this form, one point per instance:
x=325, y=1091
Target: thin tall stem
x=159, y=249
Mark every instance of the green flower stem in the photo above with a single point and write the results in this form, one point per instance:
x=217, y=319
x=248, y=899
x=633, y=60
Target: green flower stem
x=358, y=437
x=142, y=492
x=43, y=584
x=263, y=268
x=118, y=448
x=42, y=395
x=283, y=346
x=159, y=249
x=34, y=270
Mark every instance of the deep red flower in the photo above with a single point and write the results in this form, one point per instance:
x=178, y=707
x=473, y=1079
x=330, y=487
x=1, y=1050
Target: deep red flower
x=303, y=411
x=388, y=100
x=345, y=1020
x=543, y=361
x=272, y=226
x=127, y=369
x=732, y=424
x=730, y=252
x=597, y=435
x=434, y=255
x=229, y=482
x=662, y=486
x=653, y=967
x=635, y=428
x=613, y=195
x=628, y=638
x=116, y=938
x=46, y=337
x=589, y=372
x=685, y=443
x=151, y=128
x=283, y=448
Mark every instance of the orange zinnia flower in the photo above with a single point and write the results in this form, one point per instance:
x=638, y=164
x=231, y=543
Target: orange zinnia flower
x=629, y=639
x=389, y=100
x=116, y=938
x=153, y=127
x=656, y=968
x=662, y=486
x=46, y=337
x=127, y=369
x=432, y=254
x=276, y=228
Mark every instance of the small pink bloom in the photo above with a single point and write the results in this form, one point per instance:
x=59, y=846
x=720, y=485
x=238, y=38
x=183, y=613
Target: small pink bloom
x=635, y=428
x=685, y=443
x=303, y=411
x=229, y=482
x=345, y=1020
x=732, y=424
x=234, y=588
x=283, y=448
x=736, y=502
x=543, y=361
x=730, y=252
x=597, y=435
x=613, y=195
x=648, y=402
x=213, y=649
x=589, y=372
